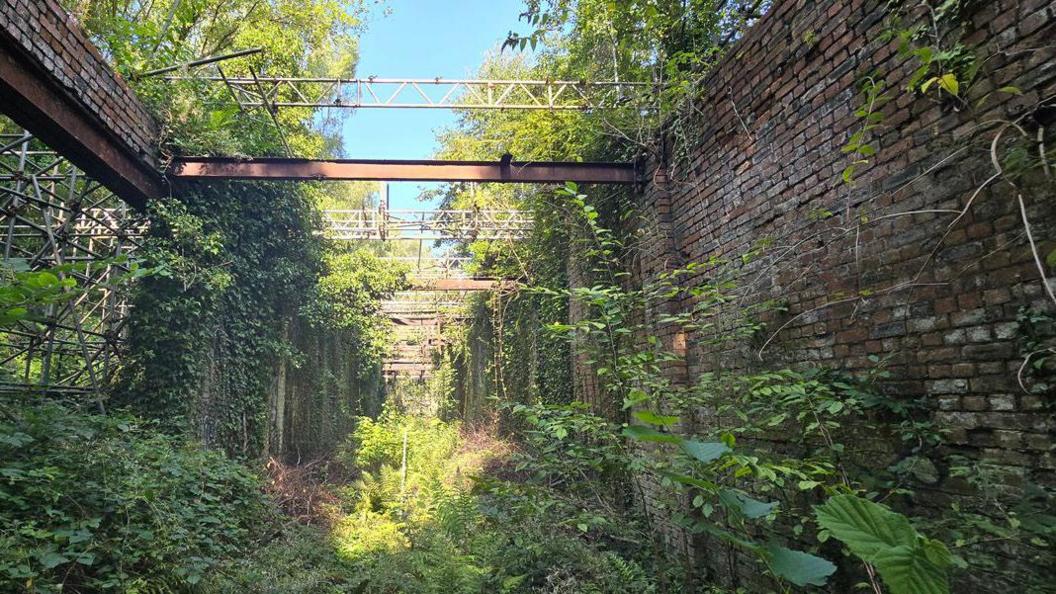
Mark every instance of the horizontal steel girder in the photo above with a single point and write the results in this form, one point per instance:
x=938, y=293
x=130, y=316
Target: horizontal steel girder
x=458, y=284
x=542, y=172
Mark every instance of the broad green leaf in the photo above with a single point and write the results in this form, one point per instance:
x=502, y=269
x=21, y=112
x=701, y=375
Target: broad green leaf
x=51, y=559
x=906, y=570
x=865, y=527
x=907, y=562
x=652, y=418
x=848, y=174
x=691, y=481
x=1051, y=258
x=949, y=83
x=647, y=434
x=800, y=568
x=936, y=552
x=704, y=451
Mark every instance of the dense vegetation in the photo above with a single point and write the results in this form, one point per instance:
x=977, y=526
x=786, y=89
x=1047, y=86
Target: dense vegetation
x=772, y=504
x=201, y=473
x=94, y=503
x=235, y=291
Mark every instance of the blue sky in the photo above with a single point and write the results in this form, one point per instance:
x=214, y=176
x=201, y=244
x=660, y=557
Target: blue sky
x=420, y=39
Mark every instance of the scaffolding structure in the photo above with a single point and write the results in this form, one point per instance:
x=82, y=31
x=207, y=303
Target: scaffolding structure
x=55, y=219
x=433, y=267
x=273, y=93
x=426, y=225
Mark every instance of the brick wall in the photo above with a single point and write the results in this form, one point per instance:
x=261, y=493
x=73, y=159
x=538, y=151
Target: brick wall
x=860, y=276
x=50, y=38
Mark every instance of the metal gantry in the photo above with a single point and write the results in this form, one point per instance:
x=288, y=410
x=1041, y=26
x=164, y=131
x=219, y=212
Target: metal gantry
x=431, y=93
x=426, y=225
x=54, y=218
x=434, y=267
x=419, y=319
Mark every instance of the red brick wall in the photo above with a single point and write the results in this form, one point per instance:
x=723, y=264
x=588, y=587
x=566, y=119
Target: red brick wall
x=46, y=35
x=764, y=161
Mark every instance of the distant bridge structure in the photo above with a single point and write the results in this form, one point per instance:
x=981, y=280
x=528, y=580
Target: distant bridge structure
x=426, y=225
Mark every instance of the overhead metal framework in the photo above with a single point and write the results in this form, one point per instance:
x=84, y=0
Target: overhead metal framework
x=433, y=267
x=52, y=215
x=503, y=171
x=459, y=284
x=426, y=225
x=431, y=93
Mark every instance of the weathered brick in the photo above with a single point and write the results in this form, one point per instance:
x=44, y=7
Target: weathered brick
x=953, y=339
x=55, y=41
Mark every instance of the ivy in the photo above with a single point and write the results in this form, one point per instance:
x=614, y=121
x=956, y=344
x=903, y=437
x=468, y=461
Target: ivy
x=235, y=262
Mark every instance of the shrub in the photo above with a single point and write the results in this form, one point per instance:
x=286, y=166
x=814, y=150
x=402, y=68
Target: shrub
x=91, y=503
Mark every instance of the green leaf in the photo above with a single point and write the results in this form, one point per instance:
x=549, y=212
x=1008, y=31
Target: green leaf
x=647, y=434
x=865, y=527
x=848, y=174
x=949, y=83
x=691, y=481
x=936, y=552
x=704, y=451
x=652, y=418
x=748, y=507
x=51, y=559
x=906, y=571
x=908, y=562
x=1051, y=258
x=800, y=568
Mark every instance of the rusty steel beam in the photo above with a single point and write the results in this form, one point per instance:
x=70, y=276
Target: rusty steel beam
x=529, y=172
x=457, y=284
x=32, y=101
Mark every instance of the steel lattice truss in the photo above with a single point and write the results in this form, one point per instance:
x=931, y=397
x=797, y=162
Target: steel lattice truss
x=466, y=225
x=399, y=307
x=432, y=93
x=51, y=215
x=434, y=267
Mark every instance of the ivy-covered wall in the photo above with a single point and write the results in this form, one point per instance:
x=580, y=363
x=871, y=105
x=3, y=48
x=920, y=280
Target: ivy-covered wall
x=217, y=344
x=320, y=391
x=506, y=350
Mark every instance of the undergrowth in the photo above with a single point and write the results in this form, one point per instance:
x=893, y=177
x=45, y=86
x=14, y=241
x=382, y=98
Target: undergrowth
x=441, y=526
x=92, y=503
